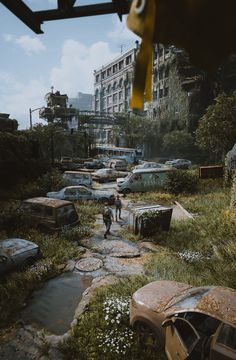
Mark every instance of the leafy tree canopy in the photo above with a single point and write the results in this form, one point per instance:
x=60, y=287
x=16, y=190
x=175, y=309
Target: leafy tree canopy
x=217, y=128
x=178, y=143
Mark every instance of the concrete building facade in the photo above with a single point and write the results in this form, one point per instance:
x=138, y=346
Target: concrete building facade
x=181, y=92
x=113, y=83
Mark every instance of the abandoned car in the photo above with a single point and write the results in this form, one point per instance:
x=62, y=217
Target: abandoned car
x=104, y=175
x=49, y=215
x=196, y=323
x=83, y=193
x=17, y=253
x=179, y=163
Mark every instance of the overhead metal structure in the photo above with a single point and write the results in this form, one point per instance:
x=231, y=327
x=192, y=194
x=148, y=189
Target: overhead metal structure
x=65, y=10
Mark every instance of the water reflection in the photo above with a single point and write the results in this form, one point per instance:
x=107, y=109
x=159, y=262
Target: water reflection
x=53, y=306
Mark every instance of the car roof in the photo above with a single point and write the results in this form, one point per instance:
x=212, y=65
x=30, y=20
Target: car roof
x=47, y=201
x=15, y=245
x=153, y=170
x=76, y=172
x=219, y=302
x=76, y=187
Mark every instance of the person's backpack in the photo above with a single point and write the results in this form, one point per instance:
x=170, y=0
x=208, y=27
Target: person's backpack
x=118, y=203
x=106, y=213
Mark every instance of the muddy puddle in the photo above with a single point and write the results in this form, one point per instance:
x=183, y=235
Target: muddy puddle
x=53, y=306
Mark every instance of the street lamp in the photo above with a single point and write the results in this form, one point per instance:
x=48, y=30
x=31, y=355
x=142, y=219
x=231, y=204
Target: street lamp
x=30, y=113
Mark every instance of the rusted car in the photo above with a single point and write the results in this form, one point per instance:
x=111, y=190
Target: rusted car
x=17, y=253
x=49, y=215
x=196, y=323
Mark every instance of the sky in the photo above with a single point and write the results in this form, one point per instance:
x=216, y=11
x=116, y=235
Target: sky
x=64, y=57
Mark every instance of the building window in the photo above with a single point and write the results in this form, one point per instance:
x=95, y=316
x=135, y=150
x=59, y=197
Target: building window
x=115, y=97
x=160, y=93
x=155, y=54
x=109, y=72
x=115, y=85
x=121, y=65
x=109, y=89
x=109, y=110
x=160, y=74
x=103, y=74
x=120, y=108
x=114, y=68
x=167, y=72
x=155, y=95
x=121, y=83
x=128, y=91
x=120, y=95
x=115, y=108
x=166, y=91
x=109, y=100
x=128, y=60
x=97, y=78
x=96, y=94
x=155, y=75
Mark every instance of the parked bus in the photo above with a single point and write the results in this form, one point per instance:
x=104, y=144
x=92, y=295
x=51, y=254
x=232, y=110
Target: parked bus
x=131, y=155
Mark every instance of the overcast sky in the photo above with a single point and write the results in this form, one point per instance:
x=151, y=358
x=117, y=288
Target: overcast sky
x=64, y=56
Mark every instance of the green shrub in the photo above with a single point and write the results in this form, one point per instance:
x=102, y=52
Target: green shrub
x=103, y=332
x=181, y=182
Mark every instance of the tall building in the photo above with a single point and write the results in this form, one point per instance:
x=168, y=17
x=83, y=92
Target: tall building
x=181, y=92
x=113, y=83
x=82, y=101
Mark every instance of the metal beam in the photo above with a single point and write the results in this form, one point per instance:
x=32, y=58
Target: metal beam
x=24, y=13
x=86, y=10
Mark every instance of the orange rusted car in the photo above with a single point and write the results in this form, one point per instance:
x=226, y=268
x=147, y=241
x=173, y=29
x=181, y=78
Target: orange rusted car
x=196, y=323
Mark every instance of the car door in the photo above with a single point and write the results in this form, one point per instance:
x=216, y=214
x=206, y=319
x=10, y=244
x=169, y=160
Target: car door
x=109, y=174
x=181, y=338
x=223, y=345
x=84, y=194
x=70, y=194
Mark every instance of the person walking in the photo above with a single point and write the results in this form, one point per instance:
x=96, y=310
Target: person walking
x=108, y=217
x=118, y=205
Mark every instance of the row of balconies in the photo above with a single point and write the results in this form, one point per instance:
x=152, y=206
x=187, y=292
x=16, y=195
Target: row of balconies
x=114, y=69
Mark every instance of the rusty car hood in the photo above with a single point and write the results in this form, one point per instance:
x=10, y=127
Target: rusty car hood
x=157, y=295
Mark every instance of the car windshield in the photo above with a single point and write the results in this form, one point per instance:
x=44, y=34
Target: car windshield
x=188, y=299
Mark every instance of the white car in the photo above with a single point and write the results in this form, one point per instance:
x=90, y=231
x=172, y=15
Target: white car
x=104, y=175
x=149, y=165
x=83, y=193
x=17, y=253
x=179, y=163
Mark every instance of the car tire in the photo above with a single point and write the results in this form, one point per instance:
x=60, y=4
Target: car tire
x=72, y=216
x=126, y=191
x=27, y=262
x=102, y=200
x=149, y=335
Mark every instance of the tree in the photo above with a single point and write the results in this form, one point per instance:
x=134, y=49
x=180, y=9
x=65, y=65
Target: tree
x=217, y=128
x=178, y=143
x=139, y=130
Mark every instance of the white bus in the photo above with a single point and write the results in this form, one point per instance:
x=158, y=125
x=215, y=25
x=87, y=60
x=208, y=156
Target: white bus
x=131, y=155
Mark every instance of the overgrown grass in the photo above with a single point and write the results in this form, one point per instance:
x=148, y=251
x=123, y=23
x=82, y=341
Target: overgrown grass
x=56, y=249
x=103, y=331
x=207, y=243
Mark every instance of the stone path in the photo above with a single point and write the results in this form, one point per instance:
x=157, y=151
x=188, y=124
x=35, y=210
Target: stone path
x=107, y=260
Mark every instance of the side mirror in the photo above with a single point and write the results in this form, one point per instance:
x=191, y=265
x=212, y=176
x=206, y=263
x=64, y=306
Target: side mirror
x=167, y=322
